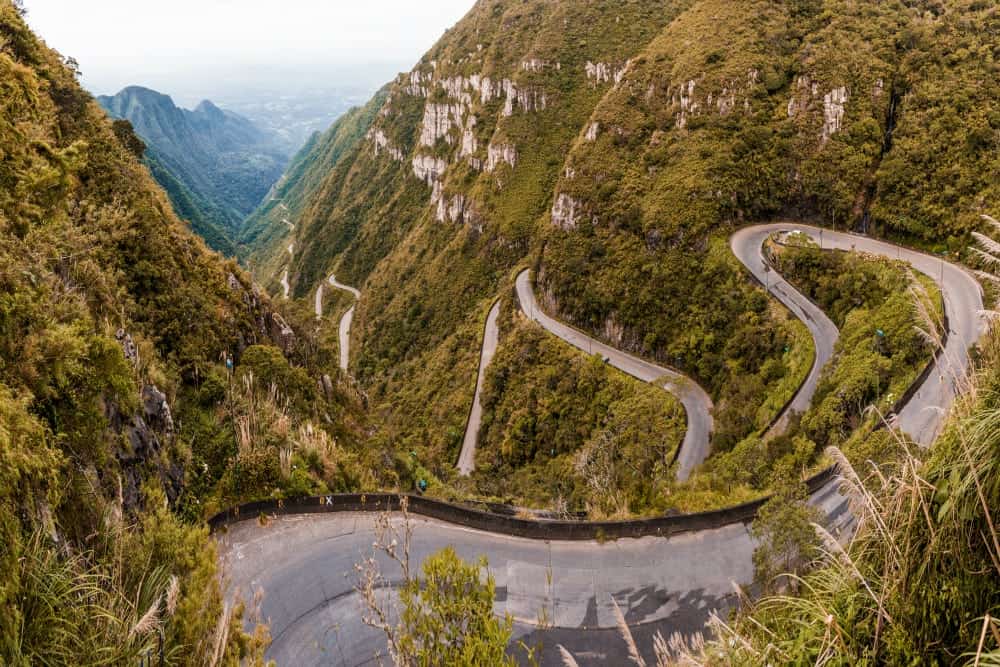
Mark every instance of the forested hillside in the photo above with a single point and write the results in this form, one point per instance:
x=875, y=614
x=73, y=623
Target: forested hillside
x=614, y=146
x=215, y=165
x=121, y=427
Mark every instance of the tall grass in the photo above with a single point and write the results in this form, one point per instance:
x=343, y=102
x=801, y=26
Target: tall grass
x=73, y=613
x=920, y=582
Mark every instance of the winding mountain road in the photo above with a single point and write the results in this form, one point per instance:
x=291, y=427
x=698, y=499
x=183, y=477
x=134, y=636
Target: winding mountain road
x=559, y=592
x=922, y=416
x=491, y=335
x=697, y=403
x=345, y=323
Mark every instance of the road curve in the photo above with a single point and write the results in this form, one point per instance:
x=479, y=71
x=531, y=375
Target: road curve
x=491, y=335
x=696, y=401
x=304, y=566
x=922, y=416
x=345, y=323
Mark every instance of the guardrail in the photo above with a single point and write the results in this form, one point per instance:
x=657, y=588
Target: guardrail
x=662, y=526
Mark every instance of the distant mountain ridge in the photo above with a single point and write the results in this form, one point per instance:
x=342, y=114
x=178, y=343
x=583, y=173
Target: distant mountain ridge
x=215, y=165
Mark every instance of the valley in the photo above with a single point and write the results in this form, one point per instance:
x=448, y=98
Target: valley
x=656, y=331
x=683, y=600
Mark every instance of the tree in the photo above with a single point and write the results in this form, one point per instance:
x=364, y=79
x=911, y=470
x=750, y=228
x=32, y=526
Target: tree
x=445, y=614
x=784, y=530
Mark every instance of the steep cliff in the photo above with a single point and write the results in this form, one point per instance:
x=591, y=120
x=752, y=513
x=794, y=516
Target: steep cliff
x=615, y=146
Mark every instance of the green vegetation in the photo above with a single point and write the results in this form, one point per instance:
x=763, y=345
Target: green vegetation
x=863, y=295
x=724, y=113
x=918, y=585
x=888, y=317
x=121, y=428
x=566, y=431
x=447, y=616
x=215, y=166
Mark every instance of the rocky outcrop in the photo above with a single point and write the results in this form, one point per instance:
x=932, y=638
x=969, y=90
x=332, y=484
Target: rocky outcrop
x=418, y=84
x=803, y=92
x=469, y=142
x=438, y=121
x=605, y=72
x=535, y=65
x=457, y=209
x=129, y=349
x=688, y=105
x=383, y=145
x=142, y=437
x=530, y=99
x=280, y=332
x=429, y=169
x=498, y=154
x=834, y=103
x=156, y=409
x=565, y=212
x=592, y=131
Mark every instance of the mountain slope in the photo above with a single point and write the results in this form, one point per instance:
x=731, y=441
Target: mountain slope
x=615, y=146
x=215, y=165
x=121, y=426
x=299, y=187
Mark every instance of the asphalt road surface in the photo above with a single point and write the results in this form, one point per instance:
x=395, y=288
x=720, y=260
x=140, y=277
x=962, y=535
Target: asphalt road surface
x=560, y=592
x=557, y=592
x=696, y=401
x=467, y=458
x=921, y=418
x=345, y=324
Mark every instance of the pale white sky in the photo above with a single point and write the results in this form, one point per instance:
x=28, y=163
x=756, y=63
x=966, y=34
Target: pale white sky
x=186, y=47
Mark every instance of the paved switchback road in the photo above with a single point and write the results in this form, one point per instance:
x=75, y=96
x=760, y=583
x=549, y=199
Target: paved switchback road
x=491, y=336
x=345, y=323
x=304, y=565
x=921, y=418
x=696, y=401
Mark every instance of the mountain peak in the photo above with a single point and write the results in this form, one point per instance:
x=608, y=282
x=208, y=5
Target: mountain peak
x=208, y=107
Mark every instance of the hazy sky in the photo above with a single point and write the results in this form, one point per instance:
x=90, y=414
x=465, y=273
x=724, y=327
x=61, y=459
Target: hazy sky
x=191, y=47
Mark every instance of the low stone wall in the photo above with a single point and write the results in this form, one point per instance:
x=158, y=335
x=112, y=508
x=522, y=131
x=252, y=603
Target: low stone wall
x=505, y=525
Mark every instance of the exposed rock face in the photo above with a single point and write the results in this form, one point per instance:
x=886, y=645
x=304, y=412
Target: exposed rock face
x=156, y=409
x=499, y=154
x=382, y=144
x=145, y=433
x=233, y=283
x=418, y=84
x=605, y=72
x=592, y=130
x=429, y=169
x=280, y=332
x=804, y=91
x=128, y=345
x=525, y=99
x=565, y=212
x=687, y=103
x=454, y=209
x=613, y=331
x=469, y=143
x=438, y=121
x=735, y=93
x=834, y=103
